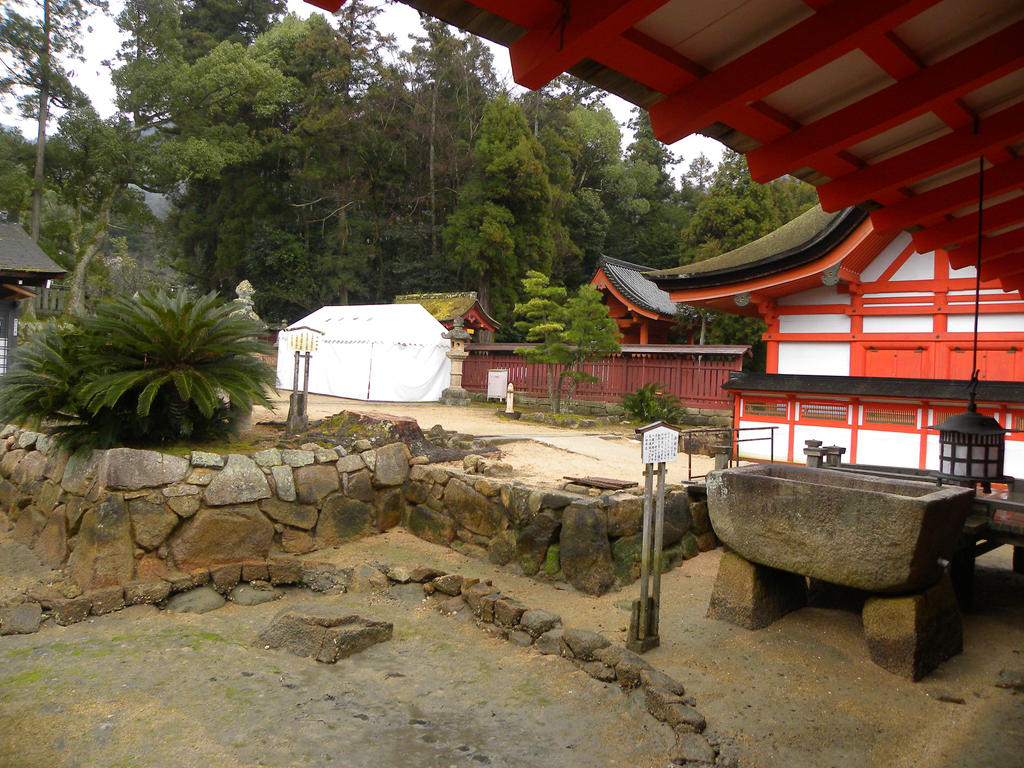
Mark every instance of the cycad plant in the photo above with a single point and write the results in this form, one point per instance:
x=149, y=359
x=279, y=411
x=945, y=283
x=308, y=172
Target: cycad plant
x=143, y=370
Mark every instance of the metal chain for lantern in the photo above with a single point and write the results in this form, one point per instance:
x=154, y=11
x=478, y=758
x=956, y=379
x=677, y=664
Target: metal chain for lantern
x=972, y=445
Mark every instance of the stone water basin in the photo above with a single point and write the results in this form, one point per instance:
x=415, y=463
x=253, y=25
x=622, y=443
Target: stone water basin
x=875, y=534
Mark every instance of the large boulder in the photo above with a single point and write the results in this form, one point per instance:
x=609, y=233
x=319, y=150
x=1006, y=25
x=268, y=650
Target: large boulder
x=104, y=554
x=533, y=541
x=240, y=481
x=129, y=469
x=392, y=467
x=431, y=525
x=470, y=509
x=316, y=481
x=585, y=554
x=625, y=514
x=152, y=523
x=343, y=519
x=218, y=535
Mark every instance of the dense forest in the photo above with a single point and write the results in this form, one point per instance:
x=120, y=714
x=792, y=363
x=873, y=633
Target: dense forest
x=318, y=161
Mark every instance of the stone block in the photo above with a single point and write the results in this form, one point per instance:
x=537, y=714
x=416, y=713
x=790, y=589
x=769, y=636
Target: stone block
x=753, y=596
x=392, y=465
x=358, y=485
x=297, y=458
x=104, y=554
x=198, y=600
x=351, y=463
x=324, y=636
x=431, y=525
x=582, y=643
x=152, y=523
x=550, y=643
x=532, y=542
x=129, y=469
x=284, y=571
x=673, y=710
x=284, y=482
x=20, y=619
x=296, y=515
x=424, y=573
x=220, y=535
x=449, y=584
x=206, y=459
x=146, y=592
x=537, y=621
x=315, y=482
x=296, y=541
x=692, y=749
x=239, y=482
x=255, y=570
x=226, y=577
x=625, y=514
x=184, y=506
x=507, y=612
x=911, y=635
x=471, y=509
x=343, y=519
x=105, y=600
x=585, y=554
x=70, y=610
x=271, y=457
x=366, y=578
x=390, y=506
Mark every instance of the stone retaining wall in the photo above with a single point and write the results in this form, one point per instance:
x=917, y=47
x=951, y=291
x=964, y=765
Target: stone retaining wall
x=122, y=515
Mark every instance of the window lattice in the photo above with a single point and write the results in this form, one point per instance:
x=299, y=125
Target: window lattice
x=823, y=411
x=762, y=408
x=900, y=416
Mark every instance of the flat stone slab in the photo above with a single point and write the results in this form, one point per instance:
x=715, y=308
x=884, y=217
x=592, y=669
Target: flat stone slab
x=875, y=534
x=198, y=600
x=324, y=636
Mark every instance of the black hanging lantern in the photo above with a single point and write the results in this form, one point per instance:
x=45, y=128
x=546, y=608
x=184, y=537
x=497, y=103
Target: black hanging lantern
x=972, y=445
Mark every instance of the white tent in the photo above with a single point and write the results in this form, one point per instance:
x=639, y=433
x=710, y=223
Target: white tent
x=392, y=352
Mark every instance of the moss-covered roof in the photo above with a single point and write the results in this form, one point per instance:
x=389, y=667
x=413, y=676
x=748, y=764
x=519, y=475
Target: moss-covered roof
x=808, y=236
x=443, y=306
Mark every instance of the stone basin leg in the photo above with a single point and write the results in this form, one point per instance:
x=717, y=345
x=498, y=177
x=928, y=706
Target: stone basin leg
x=753, y=596
x=912, y=634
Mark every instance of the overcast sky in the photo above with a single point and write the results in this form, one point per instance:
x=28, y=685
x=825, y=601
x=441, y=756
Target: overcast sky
x=397, y=19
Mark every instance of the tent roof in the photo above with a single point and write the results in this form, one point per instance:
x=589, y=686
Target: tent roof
x=408, y=324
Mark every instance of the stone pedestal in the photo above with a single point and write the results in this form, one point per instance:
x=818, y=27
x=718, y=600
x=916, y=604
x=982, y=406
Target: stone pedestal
x=911, y=635
x=455, y=394
x=753, y=596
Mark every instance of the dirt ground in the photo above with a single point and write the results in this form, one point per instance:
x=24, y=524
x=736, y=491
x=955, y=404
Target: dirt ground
x=151, y=688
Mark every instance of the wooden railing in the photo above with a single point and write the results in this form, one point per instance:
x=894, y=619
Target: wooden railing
x=694, y=374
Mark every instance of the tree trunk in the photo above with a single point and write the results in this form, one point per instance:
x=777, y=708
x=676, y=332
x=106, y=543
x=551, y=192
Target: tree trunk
x=430, y=171
x=76, y=294
x=44, y=114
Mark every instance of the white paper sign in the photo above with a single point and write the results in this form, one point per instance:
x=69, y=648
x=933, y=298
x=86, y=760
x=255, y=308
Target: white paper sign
x=304, y=341
x=660, y=444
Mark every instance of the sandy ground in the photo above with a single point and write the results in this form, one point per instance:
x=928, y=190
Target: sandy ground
x=539, y=453
x=138, y=688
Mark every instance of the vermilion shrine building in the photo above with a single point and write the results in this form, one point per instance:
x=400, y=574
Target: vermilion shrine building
x=869, y=340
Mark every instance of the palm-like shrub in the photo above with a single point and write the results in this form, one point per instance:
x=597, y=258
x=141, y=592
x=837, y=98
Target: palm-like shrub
x=652, y=402
x=144, y=370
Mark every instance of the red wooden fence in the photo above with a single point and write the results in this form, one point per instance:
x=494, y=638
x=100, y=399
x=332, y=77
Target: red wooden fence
x=694, y=374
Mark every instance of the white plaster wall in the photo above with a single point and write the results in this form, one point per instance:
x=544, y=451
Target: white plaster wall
x=965, y=272
x=884, y=260
x=918, y=266
x=893, y=449
x=817, y=358
x=898, y=324
x=763, y=449
x=814, y=324
x=1014, y=463
x=995, y=323
x=827, y=435
x=815, y=296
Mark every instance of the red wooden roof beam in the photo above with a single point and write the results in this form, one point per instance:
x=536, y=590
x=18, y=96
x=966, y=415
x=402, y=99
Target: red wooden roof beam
x=570, y=34
x=830, y=33
x=956, y=230
x=948, y=198
x=921, y=92
x=953, y=149
x=991, y=248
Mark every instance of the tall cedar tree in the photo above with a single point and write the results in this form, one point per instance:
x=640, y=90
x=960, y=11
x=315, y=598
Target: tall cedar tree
x=502, y=223
x=33, y=48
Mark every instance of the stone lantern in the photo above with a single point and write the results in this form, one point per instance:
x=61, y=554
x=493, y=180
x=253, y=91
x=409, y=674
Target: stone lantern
x=455, y=394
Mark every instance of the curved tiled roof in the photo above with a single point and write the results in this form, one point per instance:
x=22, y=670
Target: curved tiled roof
x=629, y=281
x=809, y=236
